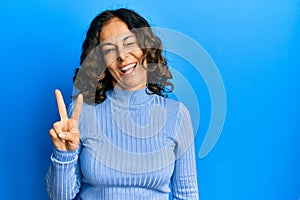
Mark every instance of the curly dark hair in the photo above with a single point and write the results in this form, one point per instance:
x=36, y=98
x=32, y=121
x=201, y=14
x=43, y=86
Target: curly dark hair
x=93, y=79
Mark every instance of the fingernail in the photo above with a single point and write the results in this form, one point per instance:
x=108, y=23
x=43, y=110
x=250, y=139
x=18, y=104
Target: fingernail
x=61, y=135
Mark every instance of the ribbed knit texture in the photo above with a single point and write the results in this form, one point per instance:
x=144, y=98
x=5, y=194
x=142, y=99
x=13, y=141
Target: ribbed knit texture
x=133, y=146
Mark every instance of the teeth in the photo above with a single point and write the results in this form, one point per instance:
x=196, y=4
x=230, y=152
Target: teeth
x=128, y=66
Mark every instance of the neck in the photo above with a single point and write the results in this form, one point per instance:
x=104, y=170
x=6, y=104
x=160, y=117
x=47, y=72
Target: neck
x=128, y=98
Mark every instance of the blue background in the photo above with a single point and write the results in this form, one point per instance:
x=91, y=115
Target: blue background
x=254, y=43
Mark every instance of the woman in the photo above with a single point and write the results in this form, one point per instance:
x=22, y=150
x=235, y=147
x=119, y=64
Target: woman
x=127, y=140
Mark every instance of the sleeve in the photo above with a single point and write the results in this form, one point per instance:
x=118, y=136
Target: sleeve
x=63, y=176
x=184, y=179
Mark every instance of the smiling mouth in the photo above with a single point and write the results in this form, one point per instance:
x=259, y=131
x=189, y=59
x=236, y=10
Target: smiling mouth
x=128, y=68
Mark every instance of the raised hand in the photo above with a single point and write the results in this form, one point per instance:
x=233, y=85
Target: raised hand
x=64, y=133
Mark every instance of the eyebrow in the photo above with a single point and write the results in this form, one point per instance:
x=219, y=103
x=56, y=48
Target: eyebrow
x=107, y=43
x=127, y=37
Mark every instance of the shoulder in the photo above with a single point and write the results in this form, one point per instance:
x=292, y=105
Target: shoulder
x=87, y=113
x=85, y=107
x=175, y=109
x=168, y=102
x=176, y=105
x=178, y=110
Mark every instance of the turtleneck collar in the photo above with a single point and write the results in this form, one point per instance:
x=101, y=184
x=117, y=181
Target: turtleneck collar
x=129, y=98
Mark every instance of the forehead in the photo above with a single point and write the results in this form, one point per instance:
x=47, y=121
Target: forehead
x=114, y=29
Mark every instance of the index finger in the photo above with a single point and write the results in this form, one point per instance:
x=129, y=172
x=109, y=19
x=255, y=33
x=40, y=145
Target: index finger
x=61, y=105
x=77, y=108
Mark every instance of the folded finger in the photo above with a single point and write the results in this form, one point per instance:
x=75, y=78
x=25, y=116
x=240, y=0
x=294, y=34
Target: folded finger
x=69, y=136
x=57, y=127
x=53, y=134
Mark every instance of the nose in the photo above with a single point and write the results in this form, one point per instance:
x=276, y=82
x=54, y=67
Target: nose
x=122, y=54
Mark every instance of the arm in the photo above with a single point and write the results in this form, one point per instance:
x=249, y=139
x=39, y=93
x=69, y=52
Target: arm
x=184, y=178
x=63, y=177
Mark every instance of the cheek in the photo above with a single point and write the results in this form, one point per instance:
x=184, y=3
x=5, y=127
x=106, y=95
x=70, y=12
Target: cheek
x=113, y=71
x=109, y=62
x=137, y=54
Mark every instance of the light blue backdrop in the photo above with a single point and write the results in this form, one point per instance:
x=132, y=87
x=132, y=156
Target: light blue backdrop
x=255, y=45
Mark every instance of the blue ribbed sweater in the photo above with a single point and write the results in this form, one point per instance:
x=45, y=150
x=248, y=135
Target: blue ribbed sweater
x=133, y=146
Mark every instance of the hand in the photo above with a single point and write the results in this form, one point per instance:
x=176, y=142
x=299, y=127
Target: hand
x=65, y=134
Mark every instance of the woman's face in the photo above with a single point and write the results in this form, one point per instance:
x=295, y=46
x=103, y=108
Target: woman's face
x=122, y=55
